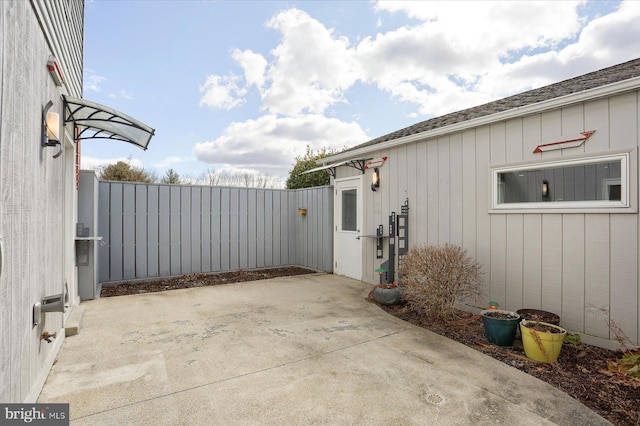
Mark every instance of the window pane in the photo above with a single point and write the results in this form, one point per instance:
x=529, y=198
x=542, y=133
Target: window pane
x=349, y=210
x=582, y=182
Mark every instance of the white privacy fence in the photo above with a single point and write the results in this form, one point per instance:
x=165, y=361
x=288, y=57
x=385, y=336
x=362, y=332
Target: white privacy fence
x=157, y=230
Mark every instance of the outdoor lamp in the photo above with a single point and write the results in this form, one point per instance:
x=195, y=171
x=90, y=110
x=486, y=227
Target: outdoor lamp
x=545, y=189
x=51, y=128
x=375, y=179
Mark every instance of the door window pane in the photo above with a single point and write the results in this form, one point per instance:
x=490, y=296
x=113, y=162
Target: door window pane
x=350, y=210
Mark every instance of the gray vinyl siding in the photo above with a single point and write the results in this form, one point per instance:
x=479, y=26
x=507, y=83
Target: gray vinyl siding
x=155, y=230
x=583, y=266
x=32, y=190
x=62, y=22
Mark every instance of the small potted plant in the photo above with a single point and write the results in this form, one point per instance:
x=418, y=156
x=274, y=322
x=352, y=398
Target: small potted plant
x=542, y=341
x=500, y=326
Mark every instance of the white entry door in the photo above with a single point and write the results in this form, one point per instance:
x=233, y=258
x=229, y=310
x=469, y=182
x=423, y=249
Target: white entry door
x=347, y=245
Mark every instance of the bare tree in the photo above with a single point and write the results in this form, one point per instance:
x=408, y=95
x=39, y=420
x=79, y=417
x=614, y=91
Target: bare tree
x=238, y=180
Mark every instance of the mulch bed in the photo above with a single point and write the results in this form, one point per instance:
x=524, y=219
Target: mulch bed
x=200, y=280
x=581, y=371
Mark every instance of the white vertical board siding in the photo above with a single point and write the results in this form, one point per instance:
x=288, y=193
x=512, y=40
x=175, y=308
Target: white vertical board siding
x=514, y=262
x=444, y=191
x=498, y=238
x=582, y=266
x=596, y=276
x=469, y=193
x=413, y=186
x=433, y=179
x=419, y=205
x=573, y=267
x=483, y=222
x=532, y=225
x=624, y=228
x=532, y=261
x=455, y=189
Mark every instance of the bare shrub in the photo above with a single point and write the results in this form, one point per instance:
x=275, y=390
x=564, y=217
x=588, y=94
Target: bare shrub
x=432, y=279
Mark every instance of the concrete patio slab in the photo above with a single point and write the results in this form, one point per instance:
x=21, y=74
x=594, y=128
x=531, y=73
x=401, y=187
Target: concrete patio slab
x=296, y=350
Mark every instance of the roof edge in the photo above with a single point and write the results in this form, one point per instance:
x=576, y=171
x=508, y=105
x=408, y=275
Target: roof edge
x=573, y=98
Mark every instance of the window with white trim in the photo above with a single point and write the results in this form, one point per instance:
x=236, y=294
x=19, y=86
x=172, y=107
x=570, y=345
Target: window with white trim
x=585, y=183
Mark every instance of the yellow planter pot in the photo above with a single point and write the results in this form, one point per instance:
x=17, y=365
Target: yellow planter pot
x=542, y=346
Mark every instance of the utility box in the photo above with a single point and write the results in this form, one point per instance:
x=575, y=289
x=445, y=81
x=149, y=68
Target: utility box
x=87, y=238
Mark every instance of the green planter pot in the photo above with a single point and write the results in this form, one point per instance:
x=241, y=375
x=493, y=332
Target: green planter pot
x=500, y=331
x=387, y=296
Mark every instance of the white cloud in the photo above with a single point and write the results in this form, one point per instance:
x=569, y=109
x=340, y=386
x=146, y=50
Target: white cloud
x=605, y=41
x=253, y=64
x=92, y=81
x=171, y=161
x=452, y=56
x=222, y=92
x=269, y=144
x=466, y=53
x=311, y=69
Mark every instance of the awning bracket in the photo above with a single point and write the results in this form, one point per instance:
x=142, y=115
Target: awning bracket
x=97, y=121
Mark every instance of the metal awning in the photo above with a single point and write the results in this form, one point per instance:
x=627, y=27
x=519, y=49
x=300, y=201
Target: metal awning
x=96, y=121
x=331, y=168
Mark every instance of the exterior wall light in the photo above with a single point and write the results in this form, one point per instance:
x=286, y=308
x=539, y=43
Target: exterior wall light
x=375, y=180
x=51, y=128
x=545, y=189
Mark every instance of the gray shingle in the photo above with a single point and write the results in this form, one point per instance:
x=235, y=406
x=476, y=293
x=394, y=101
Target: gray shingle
x=584, y=82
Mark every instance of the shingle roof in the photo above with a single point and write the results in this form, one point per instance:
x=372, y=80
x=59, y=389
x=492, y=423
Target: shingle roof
x=584, y=82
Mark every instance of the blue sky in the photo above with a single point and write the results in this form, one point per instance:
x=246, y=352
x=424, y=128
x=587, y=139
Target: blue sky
x=245, y=86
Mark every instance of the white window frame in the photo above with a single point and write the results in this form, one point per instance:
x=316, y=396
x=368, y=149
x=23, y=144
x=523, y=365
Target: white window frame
x=627, y=203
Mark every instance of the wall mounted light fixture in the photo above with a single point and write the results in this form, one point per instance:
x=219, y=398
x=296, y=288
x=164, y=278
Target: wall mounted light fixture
x=51, y=128
x=375, y=179
x=54, y=70
x=545, y=189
